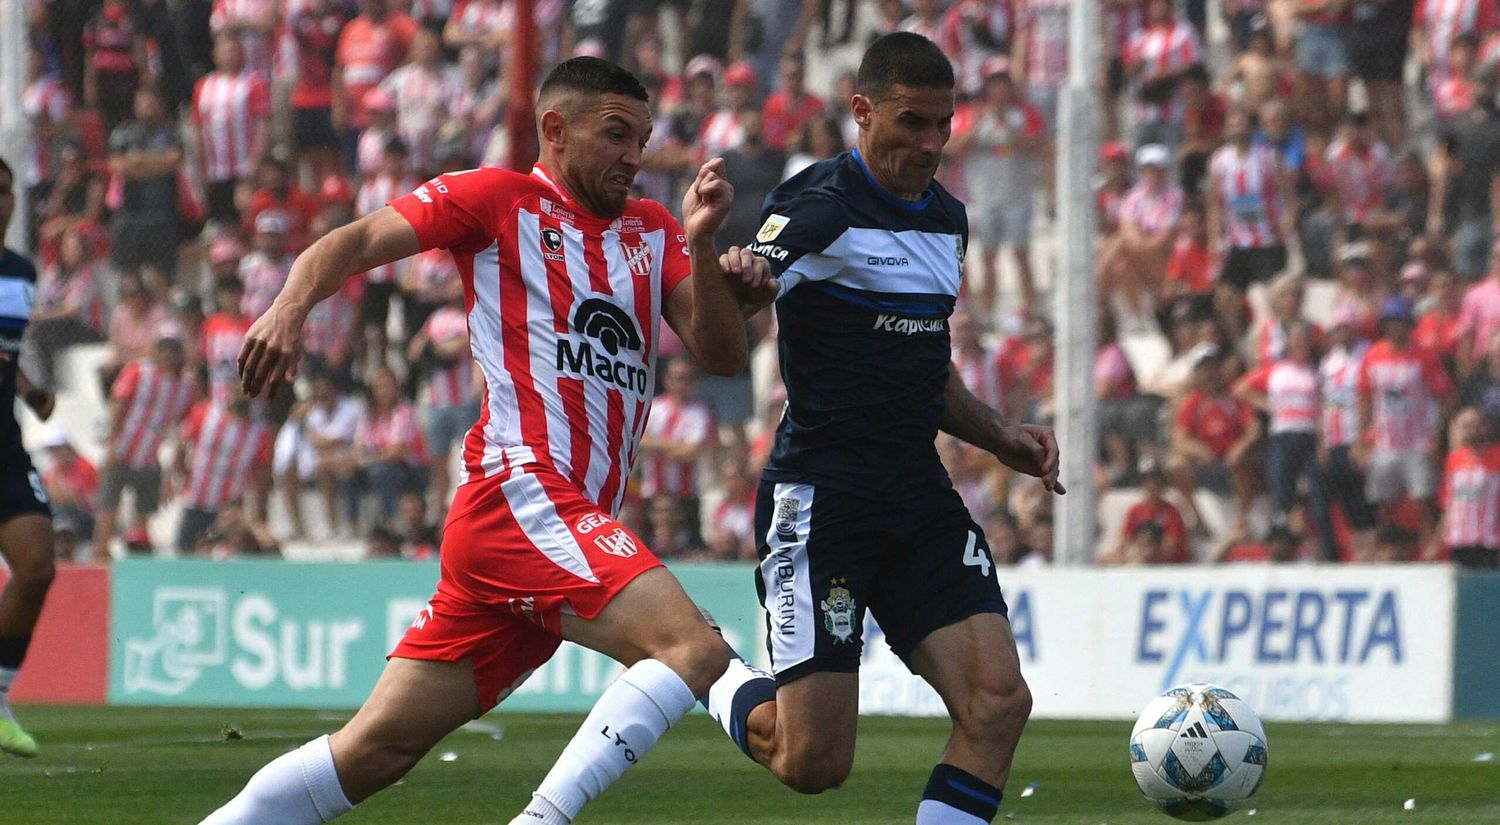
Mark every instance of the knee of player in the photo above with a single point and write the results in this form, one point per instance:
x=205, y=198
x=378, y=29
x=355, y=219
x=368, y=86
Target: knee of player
x=995, y=706
x=700, y=661
x=37, y=567
x=811, y=773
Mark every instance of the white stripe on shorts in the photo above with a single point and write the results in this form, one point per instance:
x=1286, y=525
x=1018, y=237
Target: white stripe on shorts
x=538, y=518
x=789, y=602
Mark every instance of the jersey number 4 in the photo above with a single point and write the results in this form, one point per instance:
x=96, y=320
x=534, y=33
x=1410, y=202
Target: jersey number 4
x=974, y=557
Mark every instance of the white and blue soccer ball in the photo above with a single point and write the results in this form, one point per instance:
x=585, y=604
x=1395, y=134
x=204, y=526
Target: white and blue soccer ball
x=1197, y=751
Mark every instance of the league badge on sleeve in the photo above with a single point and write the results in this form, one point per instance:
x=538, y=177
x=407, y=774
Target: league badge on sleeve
x=771, y=228
x=838, y=614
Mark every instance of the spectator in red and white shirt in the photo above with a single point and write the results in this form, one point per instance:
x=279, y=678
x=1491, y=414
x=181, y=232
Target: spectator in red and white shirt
x=450, y=386
x=370, y=47
x=315, y=30
x=789, y=107
x=1246, y=206
x=253, y=23
x=392, y=181
x=1191, y=270
x=72, y=486
x=1153, y=509
x=369, y=147
x=1156, y=58
x=679, y=433
x=231, y=107
x=1338, y=429
x=224, y=450
x=926, y=15
x=1042, y=62
x=1454, y=94
x=114, y=62
x=1269, y=339
x=1437, y=23
x=389, y=447
x=220, y=340
x=275, y=190
x=1363, y=173
x=47, y=104
x=69, y=309
x=1438, y=329
x=481, y=23
x=977, y=364
x=1287, y=390
x=731, y=531
x=721, y=130
x=1212, y=436
x=1136, y=262
x=972, y=32
x=423, y=92
x=264, y=271
x=1404, y=394
x=146, y=405
x=1470, y=498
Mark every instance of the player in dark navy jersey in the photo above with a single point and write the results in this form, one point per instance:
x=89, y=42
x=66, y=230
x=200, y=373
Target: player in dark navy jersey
x=855, y=511
x=25, y=518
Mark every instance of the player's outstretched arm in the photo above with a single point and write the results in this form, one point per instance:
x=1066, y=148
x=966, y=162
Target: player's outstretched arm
x=1026, y=448
x=703, y=309
x=273, y=345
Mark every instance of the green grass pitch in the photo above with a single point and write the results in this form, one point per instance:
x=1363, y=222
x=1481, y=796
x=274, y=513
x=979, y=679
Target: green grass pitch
x=123, y=766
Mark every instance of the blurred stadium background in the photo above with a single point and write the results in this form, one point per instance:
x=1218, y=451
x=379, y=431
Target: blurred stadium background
x=1191, y=309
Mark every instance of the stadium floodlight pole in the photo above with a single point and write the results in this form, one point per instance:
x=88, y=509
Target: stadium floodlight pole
x=1074, y=292
x=521, y=113
x=15, y=138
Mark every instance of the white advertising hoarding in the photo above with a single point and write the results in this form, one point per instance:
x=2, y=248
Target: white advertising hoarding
x=1332, y=643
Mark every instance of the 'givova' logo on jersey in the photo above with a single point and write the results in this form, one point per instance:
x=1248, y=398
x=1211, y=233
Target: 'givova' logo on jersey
x=614, y=330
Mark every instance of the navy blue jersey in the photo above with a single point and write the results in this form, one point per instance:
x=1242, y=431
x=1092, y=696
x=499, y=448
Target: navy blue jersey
x=17, y=295
x=867, y=284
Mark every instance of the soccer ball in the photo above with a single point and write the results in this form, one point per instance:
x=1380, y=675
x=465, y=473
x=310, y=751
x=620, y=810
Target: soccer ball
x=1197, y=751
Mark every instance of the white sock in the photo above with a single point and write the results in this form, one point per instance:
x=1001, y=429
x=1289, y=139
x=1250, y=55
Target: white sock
x=625, y=723
x=933, y=812
x=297, y=788
x=730, y=703
x=7, y=677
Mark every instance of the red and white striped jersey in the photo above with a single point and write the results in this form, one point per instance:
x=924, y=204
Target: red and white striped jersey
x=1471, y=497
x=683, y=423
x=452, y=385
x=482, y=17
x=1339, y=373
x=79, y=289
x=564, y=316
x=720, y=132
x=219, y=343
x=1270, y=339
x=287, y=55
x=263, y=277
x=424, y=98
x=958, y=35
x=240, y=14
x=1152, y=212
x=1046, y=25
x=375, y=192
x=330, y=323
x=223, y=450
x=396, y=428
x=1159, y=50
x=229, y=112
x=1291, y=390
x=1362, y=178
x=1247, y=188
x=45, y=101
x=1120, y=26
x=1403, y=387
x=153, y=401
x=369, y=149
x=1443, y=20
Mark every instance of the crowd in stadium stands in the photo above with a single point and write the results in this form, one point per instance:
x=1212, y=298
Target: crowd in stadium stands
x=1299, y=346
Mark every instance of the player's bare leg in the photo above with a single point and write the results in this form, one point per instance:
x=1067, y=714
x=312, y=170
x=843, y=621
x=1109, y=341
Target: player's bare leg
x=26, y=545
x=413, y=706
x=806, y=736
x=672, y=656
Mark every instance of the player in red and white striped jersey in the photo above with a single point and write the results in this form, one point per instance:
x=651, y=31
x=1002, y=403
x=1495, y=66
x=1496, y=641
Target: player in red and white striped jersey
x=1246, y=206
x=680, y=433
x=230, y=108
x=146, y=404
x=565, y=280
x=223, y=449
x=1470, y=498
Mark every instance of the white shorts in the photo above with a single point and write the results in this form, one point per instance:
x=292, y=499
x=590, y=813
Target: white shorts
x=998, y=223
x=1396, y=473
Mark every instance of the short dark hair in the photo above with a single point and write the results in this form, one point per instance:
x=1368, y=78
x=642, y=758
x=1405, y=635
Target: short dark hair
x=902, y=58
x=590, y=74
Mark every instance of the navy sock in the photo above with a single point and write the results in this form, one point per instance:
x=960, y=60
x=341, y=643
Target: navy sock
x=13, y=651
x=962, y=791
x=750, y=696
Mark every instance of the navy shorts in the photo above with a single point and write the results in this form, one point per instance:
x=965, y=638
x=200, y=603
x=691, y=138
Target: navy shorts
x=21, y=490
x=827, y=556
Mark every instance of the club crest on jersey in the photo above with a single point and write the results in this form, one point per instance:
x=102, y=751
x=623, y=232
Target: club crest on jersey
x=637, y=258
x=838, y=614
x=771, y=228
x=616, y=543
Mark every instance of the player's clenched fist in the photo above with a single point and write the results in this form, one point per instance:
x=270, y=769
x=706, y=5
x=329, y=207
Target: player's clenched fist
x=751, y=276
x=706, y=202
x=272, y=348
